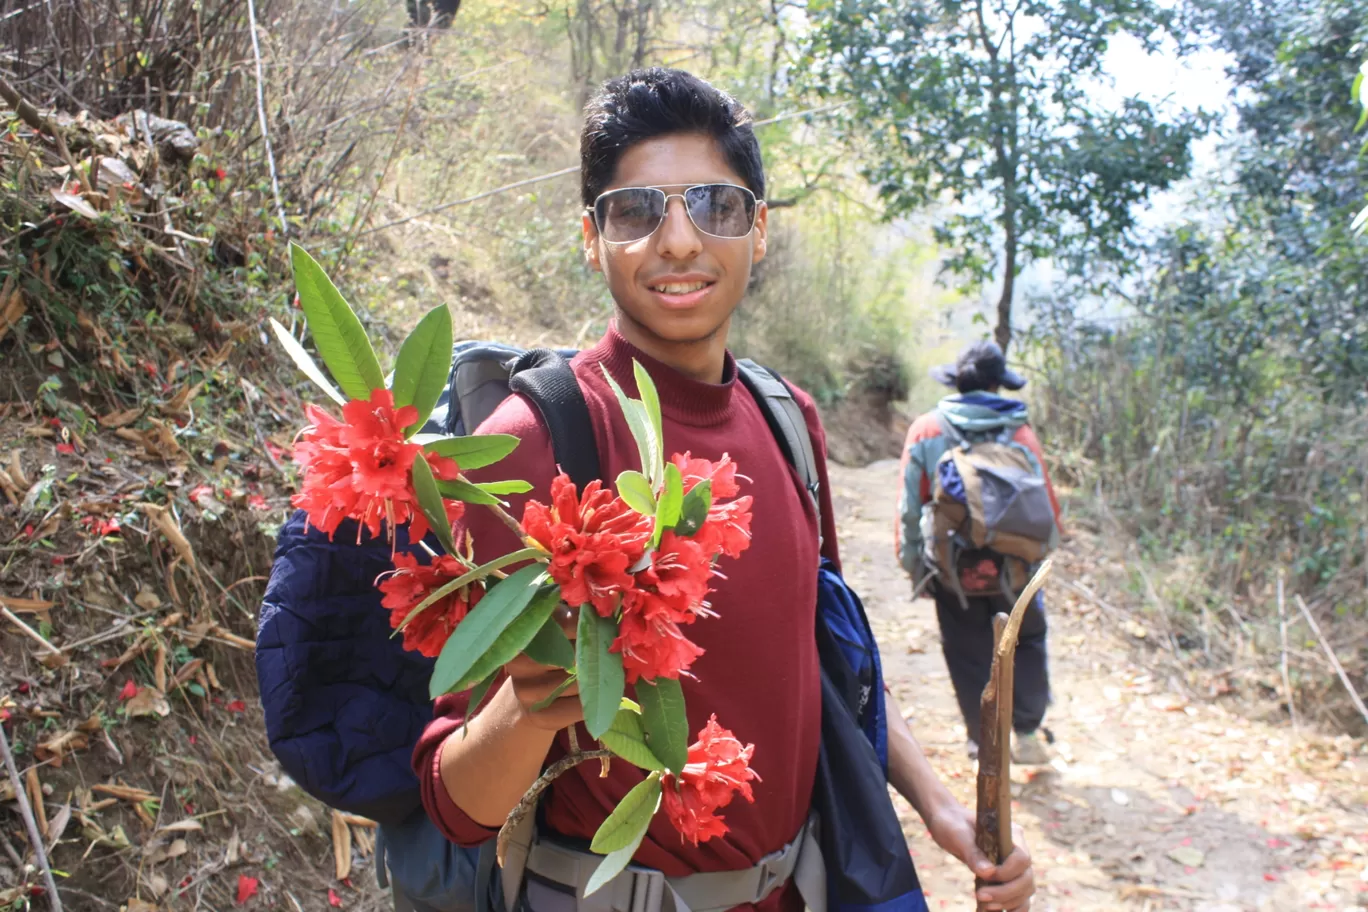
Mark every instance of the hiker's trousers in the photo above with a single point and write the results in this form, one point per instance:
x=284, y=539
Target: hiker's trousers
x=967, y=642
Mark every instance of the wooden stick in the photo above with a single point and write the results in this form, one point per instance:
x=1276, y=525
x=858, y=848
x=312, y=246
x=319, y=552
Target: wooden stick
x=35, y=635
x=993, y=818
x=529, y=799
x=1282, y=630
x=1330, y=654
x=36, y=839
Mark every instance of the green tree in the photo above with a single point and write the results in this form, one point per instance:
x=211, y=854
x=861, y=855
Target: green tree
x=990, y=105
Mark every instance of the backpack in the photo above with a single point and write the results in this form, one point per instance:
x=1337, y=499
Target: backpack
x=989, y=522
x=863, y=836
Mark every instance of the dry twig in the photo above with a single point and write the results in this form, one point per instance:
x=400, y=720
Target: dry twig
x=35, y=836
x=529, y=799
x=1334, y=660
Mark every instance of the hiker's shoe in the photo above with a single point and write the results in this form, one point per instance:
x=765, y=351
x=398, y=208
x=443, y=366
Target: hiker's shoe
x=1029, y=750
x=971, y=748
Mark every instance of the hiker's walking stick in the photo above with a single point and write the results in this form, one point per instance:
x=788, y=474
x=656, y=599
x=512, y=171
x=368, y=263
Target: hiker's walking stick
x=993, y=829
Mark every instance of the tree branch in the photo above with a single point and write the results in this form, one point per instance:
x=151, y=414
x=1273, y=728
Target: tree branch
x=529, y=799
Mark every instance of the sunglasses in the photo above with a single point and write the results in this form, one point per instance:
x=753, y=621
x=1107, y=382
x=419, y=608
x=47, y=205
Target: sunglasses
x=633, y=213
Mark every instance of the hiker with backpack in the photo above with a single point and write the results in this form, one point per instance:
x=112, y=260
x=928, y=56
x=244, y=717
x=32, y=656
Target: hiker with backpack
x=977, y=514
x=674, y=218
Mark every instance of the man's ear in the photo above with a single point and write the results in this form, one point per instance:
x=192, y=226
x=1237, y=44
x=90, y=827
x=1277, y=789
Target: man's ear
x=591, y=243
x=761, y=234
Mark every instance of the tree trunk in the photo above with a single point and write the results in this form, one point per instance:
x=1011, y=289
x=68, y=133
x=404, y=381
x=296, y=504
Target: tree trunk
x=1003, y=333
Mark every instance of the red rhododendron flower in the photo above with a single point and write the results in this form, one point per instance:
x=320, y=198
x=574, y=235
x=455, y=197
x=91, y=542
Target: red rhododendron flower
x=650, y=642
x=718, y=769
x=727, y=528
x=722, y=474
x=412, y=582
x=359, y=468
x=592, y=539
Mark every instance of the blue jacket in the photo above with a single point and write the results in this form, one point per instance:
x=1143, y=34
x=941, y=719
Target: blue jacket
x=344, y=702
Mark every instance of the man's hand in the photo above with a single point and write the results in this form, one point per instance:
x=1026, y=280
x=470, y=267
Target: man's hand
x=532, y=683
x=1010, y=885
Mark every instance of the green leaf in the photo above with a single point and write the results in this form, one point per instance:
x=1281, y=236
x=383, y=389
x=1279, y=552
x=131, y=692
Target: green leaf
x=633, y=488
x=615, y=861
x=639, y=424
x=514, y=638
x=467, y=492
x=475, y=635
x=420, y=373
x=306, y=363
x=664, y=722
x=473, y=452
x=504, y=487
x=551, y=646
x=554, y=695
x=337, y=333
x=478, y=573
x=627, y=739
x=601, y=678
x=694, y=512
x=650, y=403
x=630, y=818
x=476, y=695
x=430, y=499
x=613, y=864
x=671, y=504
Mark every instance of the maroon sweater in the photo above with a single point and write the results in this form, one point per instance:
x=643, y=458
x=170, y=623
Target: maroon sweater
x=759, y=672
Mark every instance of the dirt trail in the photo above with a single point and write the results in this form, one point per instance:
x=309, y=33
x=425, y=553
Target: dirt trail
x=1156, y=799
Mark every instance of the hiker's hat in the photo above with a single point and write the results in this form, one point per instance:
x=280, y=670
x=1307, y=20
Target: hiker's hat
x=981, y=366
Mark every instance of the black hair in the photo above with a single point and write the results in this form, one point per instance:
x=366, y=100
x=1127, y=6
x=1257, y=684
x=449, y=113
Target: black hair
x=969, y=379
x=655, y=102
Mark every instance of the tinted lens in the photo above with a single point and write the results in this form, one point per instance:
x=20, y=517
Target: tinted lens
x=629, y=214
x=721, y=210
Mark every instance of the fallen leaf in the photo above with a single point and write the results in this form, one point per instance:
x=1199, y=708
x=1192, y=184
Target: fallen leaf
x=165, y=853
x=58, y=746
x=75, y=204
x=230, y=854
x=58, y=824
x=115, y=420
x=342, y=846
x=11, y=311
x=1187, y=856
x=183, y=826
x=123, y=792
x=25, y=606
x=247, y=888
x=149, y=702
x=147, y=600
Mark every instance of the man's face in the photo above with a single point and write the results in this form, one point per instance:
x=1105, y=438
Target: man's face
x=679, y=284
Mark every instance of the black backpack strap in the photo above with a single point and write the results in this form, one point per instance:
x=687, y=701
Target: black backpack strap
x=785, y=419
x=545, y=377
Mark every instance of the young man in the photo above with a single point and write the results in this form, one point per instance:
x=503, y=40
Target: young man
x=673, y=188
x=976, y=410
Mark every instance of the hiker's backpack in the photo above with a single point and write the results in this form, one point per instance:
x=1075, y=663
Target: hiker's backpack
x=989, y=521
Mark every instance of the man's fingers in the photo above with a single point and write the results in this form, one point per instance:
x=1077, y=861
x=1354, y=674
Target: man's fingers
x=1015, y=865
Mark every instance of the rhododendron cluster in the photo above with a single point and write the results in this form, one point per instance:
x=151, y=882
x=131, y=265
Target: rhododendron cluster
x=410, y=583
x=718, y=769
x=593, y=539
x=636, y=558
x=361, y=467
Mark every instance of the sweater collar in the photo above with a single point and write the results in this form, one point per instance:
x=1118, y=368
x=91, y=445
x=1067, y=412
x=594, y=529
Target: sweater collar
x=682, y=398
